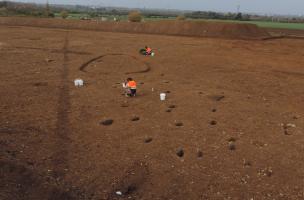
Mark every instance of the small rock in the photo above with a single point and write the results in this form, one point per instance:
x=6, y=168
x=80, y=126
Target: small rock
x=148, y=140
x=172, y=106
x=290, y=125
x=180, y=152
x=168, y=92
x=107, y=122
x=118, y=193
x=213, y=110
x=168, y=110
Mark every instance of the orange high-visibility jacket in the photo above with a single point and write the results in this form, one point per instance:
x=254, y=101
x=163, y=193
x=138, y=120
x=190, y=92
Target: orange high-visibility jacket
x=132, y=84
x=148, y=50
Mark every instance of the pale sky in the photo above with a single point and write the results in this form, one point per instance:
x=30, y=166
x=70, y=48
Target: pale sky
x=293, y=7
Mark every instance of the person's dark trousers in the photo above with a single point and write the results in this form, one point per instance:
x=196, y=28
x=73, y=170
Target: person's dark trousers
x=133, y=92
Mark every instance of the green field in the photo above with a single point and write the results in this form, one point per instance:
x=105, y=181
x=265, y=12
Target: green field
x=263, y=24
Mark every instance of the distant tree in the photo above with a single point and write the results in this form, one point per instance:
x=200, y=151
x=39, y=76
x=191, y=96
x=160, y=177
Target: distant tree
x=181, y=17
x=3, y=11
x=47, y=11
x=135, y=16
x=239, y=16
x=64, y=14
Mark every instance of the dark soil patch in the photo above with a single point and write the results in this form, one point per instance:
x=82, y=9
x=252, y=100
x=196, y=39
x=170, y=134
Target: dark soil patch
x=213, y=123
x=135, y=119
x=217, y=97
x=39, y=84
x=179, y=124
x=199, y=154
x=148, y=140
x=107, y=122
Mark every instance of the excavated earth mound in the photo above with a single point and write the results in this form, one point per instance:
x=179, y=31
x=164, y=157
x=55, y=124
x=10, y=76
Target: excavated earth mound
x=179, y=28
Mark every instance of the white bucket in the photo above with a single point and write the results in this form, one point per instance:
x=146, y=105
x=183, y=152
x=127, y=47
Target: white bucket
x=162, y=96
x=78, y=82
x=152, y=54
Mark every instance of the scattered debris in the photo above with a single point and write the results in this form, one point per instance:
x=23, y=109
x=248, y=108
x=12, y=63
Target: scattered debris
x=78, y=82
x=107, y=122
x=265, y=172
x=246, y=163
x=180, y=152
x=286, y=127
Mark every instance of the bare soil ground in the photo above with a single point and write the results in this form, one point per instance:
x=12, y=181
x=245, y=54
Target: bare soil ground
x=232, y=126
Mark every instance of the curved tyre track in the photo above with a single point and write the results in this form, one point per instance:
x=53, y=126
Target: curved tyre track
x=86, y=64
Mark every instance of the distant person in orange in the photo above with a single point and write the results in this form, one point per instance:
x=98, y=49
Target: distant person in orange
x=148, y=50
x=130, y=86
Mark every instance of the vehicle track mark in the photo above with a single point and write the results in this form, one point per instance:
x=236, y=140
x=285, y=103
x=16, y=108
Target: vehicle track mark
x=86, y=64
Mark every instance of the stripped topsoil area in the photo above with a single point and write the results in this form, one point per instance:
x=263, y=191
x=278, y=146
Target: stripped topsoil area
x=231, y=127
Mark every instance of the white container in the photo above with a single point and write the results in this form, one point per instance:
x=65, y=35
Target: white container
x=78, y=82
x=162, y=96
x=152, y=54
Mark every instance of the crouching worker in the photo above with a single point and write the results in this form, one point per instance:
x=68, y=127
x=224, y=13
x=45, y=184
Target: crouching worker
x=148, y=50
x=130, y=87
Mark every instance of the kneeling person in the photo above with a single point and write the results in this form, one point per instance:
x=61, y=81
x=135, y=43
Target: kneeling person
x=131, y=87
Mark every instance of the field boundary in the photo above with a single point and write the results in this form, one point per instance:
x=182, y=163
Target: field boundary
x=174, y=28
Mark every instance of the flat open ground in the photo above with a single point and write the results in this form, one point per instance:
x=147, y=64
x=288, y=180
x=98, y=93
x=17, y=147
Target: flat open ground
x=239, y=105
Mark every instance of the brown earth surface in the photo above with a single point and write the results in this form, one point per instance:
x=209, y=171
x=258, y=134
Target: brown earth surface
x=232, y=126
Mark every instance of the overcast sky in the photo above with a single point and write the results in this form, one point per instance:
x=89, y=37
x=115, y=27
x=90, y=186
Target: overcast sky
x=294, y=7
